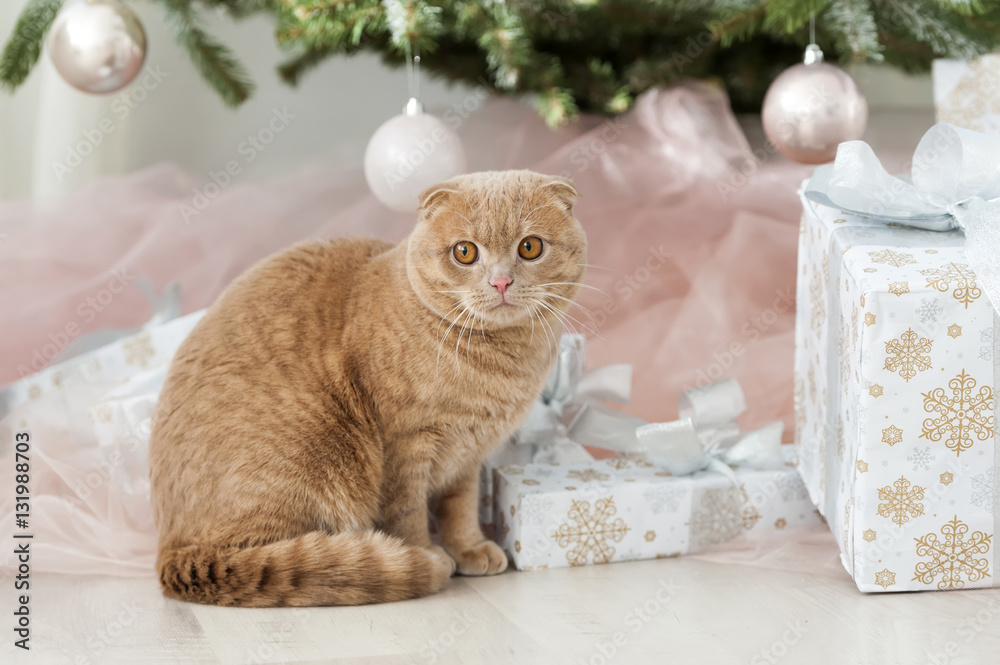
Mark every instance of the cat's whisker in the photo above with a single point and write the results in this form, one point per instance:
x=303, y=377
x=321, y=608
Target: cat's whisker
x=549, y=333
x=447, y=332
x=471, y=225
x=445, y=318
x=531, y=317
x=465, y=291
x=560, y=317
x=573, y=303
x=591, y=265
x=547, y=205
x=458, y=342
x=579, y=284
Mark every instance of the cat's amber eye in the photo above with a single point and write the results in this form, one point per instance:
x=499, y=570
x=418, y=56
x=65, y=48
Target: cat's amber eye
x=465, y=252
x=530, y=248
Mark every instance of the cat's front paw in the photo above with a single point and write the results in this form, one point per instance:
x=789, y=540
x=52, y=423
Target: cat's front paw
x=483, y=558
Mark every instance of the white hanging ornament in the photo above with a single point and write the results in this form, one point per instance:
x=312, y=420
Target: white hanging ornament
x=811, y=108
x=410, y=153
x=98, y=46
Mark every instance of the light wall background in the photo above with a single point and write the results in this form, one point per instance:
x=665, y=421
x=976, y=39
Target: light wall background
x=180, y=119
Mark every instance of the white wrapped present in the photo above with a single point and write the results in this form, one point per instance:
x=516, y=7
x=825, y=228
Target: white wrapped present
x=897, y=359
x=675, y=488
x=967, y=93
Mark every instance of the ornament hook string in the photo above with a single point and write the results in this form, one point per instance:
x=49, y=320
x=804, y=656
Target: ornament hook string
x=413, y=106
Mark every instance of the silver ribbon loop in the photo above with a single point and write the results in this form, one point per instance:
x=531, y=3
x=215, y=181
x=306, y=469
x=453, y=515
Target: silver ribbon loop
x=570, y=413
x=954, y=184
x=706, y=437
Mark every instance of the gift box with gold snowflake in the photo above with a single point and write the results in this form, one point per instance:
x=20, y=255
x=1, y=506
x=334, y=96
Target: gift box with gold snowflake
x=622, y=509
x=897, y=359
x=967, y=92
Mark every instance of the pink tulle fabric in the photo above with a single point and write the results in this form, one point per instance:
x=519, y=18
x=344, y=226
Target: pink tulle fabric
x=692, y=250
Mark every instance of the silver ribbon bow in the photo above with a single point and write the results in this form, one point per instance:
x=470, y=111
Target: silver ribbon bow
x=707, y=437
x=954, y=184
x=570, y=413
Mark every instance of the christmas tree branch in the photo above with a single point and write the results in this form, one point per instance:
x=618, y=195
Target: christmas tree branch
x=216, y=63
x=25, y=43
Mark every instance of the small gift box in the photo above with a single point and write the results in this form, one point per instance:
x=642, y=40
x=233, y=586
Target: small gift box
x=671, y=491
x=569, y=415
x=967, y=93
x=897, y=360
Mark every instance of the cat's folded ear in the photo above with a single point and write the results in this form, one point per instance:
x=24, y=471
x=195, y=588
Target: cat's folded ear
x=563, y=189
x=436, y=196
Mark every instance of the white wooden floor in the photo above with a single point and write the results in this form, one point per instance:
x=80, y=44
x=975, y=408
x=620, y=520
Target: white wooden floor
x=683, y=610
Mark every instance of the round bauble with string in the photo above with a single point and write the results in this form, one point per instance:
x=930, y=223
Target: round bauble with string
x=411, y=152
x=813, y=107
x=97, y=46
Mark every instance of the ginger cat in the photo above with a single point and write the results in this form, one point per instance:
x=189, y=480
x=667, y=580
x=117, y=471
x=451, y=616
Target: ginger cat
x=339, y=389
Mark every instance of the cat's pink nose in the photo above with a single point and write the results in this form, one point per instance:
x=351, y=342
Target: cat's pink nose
x=501, y=282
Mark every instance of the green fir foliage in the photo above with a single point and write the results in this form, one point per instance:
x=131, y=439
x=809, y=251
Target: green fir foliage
x=571, y=55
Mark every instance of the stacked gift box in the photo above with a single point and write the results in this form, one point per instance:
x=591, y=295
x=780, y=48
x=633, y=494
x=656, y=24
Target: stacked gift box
x=896, y=361
x=662, y=494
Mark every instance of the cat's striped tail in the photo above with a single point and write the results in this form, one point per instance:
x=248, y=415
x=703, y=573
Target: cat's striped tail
x=349, y=568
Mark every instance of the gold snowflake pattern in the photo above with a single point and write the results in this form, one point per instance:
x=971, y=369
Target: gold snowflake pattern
x=908, y=355
x=869, y=535
x=650, y=536
x=862, y=300
x=780, y=523
x=625, y=461
x=530, y=481
x=954, y=331
x=750, y=513
x=513, y=510
x=902, y=501
x=899, y=288
x=862, y=466
x=966, y=291
x=960, y=416
x=889, y=257
x=138, y=350
x=869, y=319
x=975, y=97
x=511, y=470
x=587, y=475
x=885, y=578
x=717, y=517
x=817, y=294
x=875, y=390
x=892, y=435
x=517, y=545
x=590, y=533
x=871, y=269
x=954, y=558
x=946, y=478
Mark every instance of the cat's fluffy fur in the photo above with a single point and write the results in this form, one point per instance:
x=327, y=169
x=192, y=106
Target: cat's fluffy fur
x=338, y=389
